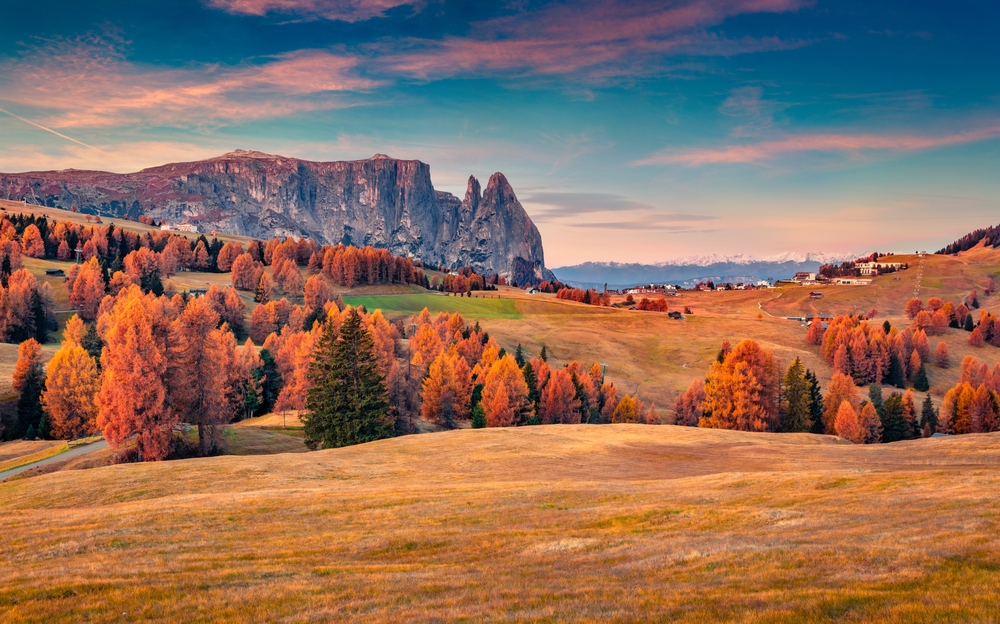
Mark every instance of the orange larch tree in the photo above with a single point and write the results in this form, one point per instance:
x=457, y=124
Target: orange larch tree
x=505, y=393
x=32, y=243
x=70, y=396
x=559, y=403
x=88, y=290
x=447, y=390
x=132, y=400
x=198, y=380
x=846, y=423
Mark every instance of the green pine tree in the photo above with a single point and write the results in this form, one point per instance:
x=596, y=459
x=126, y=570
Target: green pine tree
x=815, y=403
x=969, y=326
x=886, y=327
x=928, y=415
x=875, y=396
x=519, y=356
x=92, y=343
x=531, y=379
x=920, y=382
x=544, y=354
x=894, y=425
x=272, y=382
x=29, y=404
x=895, y=377
x=796, y=414
x=478, y=416
x=348, y=403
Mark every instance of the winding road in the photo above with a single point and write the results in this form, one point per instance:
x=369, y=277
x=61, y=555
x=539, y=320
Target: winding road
x=75, y=452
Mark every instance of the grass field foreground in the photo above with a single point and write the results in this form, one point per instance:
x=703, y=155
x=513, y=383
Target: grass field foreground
x=556, y=523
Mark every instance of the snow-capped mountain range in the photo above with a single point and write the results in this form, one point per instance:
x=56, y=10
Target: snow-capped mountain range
x=691, y=269
x=788, y=256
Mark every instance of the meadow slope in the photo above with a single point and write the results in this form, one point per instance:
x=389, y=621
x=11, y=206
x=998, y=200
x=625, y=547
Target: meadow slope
x=553, y=523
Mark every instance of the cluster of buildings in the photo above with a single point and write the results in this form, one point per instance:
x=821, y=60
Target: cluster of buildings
x=180, y=227
x=875, y=268
x=808, y=279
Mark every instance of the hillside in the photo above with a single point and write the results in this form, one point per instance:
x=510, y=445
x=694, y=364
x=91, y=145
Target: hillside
x=616, y=522
x=381, y=201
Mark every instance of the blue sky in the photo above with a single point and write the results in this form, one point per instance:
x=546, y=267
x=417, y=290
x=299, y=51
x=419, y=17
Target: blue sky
x=631, y=131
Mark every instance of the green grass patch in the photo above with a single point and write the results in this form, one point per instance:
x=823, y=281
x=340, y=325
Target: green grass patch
x=407, y=305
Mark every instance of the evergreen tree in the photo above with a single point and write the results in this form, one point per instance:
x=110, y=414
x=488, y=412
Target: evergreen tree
x=272, y=383
x=544, y=355
x=969, y=326
x=920, y=382
x=531, y=379
x=894, y=425
x=29, y=405
x=815, y=403
x=40, y=321
x=928, y=415
x=895, y=377
x=348, y=403
x=5, y=271
x=151, y=282
x=796, y=413
x=478, y=416
x=519, y=356
x=29, y=382
x=875, y=396
x=886, y=327
x=92, y=343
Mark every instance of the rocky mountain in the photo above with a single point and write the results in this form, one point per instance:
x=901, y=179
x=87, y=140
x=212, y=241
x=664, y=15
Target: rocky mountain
x=690, y=270
x=381, y=201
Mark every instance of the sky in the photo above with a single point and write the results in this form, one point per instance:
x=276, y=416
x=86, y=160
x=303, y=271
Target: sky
x=631, y=131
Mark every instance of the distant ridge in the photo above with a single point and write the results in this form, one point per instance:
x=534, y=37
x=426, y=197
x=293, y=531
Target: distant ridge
x=735, y=268
x=379, y=201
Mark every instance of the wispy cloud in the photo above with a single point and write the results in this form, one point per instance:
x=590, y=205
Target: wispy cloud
x=342, y=10
x=578, y=210
x=90, y=83
x=751, y=110
x=850, y=145
x=597, y=38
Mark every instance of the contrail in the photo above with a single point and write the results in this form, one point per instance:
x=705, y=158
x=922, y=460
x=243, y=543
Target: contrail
x=41, y=127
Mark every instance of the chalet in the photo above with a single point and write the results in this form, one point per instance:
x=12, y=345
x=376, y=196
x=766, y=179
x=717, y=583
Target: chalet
x=198, y=292
x=874, y=268
x=55, y=272
x=815, y=295
x=675, y=315
x=802, y=278
x=852, y=281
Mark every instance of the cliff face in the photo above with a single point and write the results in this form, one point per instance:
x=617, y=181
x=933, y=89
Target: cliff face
x=381, y=202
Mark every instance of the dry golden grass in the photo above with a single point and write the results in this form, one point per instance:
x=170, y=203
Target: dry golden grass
x=557, y=523
x=289, y=419
x=16, y=450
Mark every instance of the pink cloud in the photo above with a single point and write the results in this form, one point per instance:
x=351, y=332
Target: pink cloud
x=598, y=36
x=845, y=144
x=343, y=10
x=90, y=83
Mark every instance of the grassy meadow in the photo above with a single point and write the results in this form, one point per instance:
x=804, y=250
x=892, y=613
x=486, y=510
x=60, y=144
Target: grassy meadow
x=485, y=305
x=552, y=523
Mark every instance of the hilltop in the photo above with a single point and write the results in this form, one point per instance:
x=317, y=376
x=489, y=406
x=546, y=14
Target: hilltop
x=565, y=522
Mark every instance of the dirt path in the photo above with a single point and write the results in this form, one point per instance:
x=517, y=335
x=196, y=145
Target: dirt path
x=80, y=450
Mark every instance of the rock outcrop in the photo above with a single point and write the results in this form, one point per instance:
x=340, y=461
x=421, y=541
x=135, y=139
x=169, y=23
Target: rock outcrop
x=381, y=201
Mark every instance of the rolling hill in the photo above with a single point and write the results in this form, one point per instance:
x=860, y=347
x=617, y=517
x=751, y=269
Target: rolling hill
x=555, y=523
